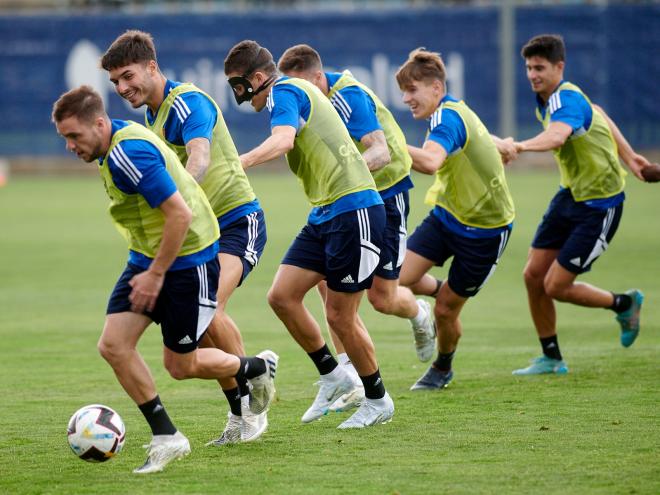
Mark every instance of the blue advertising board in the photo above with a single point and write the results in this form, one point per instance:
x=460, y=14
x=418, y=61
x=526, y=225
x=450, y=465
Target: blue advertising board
x=612, y=55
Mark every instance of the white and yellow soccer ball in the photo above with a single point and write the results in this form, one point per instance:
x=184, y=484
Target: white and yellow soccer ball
x=96, y=433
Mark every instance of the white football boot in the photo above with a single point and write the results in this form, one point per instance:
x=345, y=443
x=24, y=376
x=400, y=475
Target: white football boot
x=332, y=386
x=371, y=412
x=162, y=450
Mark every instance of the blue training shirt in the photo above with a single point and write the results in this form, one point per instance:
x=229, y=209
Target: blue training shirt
x=358, y=112
x=572, y=108
x=448, y=130
x=192, y=116
x=138, y=167
x=289, y=105
x=355, y=107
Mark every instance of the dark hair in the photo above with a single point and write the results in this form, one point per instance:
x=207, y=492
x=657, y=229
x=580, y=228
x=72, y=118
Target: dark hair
x=131, y=47
x=547, y=46
x=82, y=102
x=299, y=58
x=248, y=56
x=422, y=65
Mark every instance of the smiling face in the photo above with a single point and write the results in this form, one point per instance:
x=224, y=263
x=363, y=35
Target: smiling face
x=88, y=141
x=137, y=83
x=423, y=97
x=543, y=75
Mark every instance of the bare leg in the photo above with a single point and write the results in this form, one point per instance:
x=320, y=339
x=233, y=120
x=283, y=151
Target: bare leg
x=342, y=317
x=413, y=274
x=541, y=305
x=286, y=296
x=388, y=297
x=223, y=333
x=448, y=306
x=117, y=345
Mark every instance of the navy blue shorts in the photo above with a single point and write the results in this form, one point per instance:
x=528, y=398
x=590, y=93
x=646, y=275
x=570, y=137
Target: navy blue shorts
x=474, y=260
x=580, y=233
x=184, y=308
x=346, y=248
x=246, y=239
x=393, y=250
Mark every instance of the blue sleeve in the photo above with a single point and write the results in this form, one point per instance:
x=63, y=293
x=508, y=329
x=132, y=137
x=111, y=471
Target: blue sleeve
x=138, y=167
x=357, y=110
x=287, y=105
x=571, y=108
x=199, y=115
x=450, y=132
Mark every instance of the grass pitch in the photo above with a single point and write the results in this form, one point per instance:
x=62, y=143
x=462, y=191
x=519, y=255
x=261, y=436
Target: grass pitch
x=596, y=430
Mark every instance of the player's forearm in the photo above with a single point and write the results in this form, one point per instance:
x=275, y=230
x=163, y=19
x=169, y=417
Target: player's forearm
x=174, y=233
x=545, y=141
x=199, y=158
x=197, y=167
x=273, y=147
x=376, y=154
x=423, y=161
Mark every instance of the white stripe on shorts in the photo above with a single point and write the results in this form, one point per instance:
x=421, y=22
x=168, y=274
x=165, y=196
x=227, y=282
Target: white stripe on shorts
x=601, y=243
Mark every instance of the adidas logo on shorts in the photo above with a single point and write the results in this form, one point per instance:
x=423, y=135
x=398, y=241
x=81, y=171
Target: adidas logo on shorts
x=186, y=340
x=388, y=266
x=347, y=279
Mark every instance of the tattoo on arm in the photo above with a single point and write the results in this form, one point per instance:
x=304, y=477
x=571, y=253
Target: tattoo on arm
x=377, y=155
x=199, y=157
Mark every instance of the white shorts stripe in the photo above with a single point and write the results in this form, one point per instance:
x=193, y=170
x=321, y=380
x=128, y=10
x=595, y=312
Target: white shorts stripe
x=504, y=237
x=601, y=243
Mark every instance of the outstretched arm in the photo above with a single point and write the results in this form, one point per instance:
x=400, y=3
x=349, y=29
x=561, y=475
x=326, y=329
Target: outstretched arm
x=634, y=161
x=429, y=158
x=280, y=142
x=506, y=147
x=551, y=138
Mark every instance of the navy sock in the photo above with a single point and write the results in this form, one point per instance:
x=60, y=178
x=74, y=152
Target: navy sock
x=443, y=362
x=551, y=347
x=373, y=386
x=622, y=302
x=243, y=386
x=323, y=360
x=157, y=417
x=234, y=398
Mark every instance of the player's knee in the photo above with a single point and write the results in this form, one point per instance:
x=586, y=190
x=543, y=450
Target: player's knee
x=554, y=289
x=339, y=320
x=177, y=370
x=277, y=300
x=533, y=277
x=112, y=353
x=380, y=300
x=444, y=312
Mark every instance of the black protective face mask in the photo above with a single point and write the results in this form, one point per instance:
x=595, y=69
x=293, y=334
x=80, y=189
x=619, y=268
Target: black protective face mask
x=243, y=90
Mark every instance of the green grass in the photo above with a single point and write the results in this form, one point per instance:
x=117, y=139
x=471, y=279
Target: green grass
x=596, y=430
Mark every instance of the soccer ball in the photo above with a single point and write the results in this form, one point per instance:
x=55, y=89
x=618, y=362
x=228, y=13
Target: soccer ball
x=96, y=433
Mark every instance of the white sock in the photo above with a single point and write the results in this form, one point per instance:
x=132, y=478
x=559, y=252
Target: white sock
x=343, y=358
x=419, y=317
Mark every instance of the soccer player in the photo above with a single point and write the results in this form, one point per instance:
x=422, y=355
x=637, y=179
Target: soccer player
x=172, y=272
x=473, y=213
x=584, y=214
x=341, y=241
x=191, y=124
x=383, y=145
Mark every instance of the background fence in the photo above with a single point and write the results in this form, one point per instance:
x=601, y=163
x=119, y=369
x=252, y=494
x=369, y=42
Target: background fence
x=613, y=54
